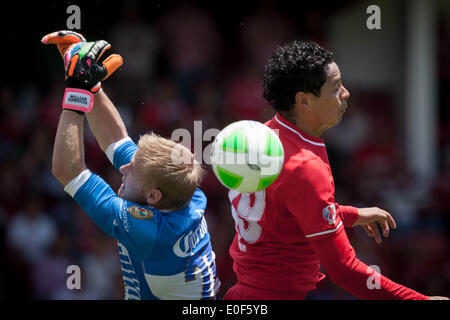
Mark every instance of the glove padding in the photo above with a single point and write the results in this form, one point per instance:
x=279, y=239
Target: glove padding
x=84, y=73
x=63, y=39
x=81, y=65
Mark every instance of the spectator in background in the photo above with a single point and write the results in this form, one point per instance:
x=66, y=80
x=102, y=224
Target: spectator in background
x=31, y=231
x=260, y=32
x=243, y=96
x=46, y=115
x=100, y=266
x=138, y=43
x=191, y=28
x=444, y=50
x=35, y=163
x=438, y=209
x=161, y=108
x=49, y=273
x=208, y=107
x=13, y=123
x=12, y=186
x=313, y=27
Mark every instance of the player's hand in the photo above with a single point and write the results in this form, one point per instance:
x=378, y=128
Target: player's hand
x=368, y=219
x=82, y=67
x=438, y=298
x=63, y=39
x=84, y=73
x=66, y=38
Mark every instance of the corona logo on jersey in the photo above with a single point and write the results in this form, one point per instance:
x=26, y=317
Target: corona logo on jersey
x=186, y=243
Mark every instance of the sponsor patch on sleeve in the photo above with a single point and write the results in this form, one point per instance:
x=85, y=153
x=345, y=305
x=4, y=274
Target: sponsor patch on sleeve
x=140, y=213
x=329, y=213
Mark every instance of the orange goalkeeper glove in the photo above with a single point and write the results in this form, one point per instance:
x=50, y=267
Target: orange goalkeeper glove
x=63, y=39
x=84, y=73
x=66, y=38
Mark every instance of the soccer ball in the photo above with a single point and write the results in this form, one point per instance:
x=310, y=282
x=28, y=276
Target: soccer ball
x=247, y=156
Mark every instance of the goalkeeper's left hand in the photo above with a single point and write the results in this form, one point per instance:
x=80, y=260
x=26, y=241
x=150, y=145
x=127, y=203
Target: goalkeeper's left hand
x=66, y=38
x=84, y=73
x=83, y=70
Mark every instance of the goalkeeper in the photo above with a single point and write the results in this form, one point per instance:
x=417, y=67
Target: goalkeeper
x=157, y=217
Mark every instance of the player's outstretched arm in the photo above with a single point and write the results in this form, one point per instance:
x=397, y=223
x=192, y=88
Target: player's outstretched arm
x=338, y=258
x=68, y=150
x=82, y=72
x=105, y=121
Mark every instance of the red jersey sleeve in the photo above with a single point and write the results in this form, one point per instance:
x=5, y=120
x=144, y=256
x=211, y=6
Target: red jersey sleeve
x=338, y=258
x=309, y=197
x=348, y=214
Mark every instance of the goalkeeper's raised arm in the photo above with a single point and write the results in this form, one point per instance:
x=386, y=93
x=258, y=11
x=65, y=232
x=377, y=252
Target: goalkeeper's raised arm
x=105, y=121
x=83, y=74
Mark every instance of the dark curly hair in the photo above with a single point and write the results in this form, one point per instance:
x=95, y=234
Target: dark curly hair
x=296, y=66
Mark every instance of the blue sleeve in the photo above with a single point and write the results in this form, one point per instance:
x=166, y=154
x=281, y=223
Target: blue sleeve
x=124, y=153
x=135, y=226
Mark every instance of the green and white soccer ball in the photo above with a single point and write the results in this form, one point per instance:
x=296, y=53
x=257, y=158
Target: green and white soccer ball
x=247, y=156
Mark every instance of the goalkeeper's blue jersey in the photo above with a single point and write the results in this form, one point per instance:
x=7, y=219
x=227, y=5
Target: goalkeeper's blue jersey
x=164, y=255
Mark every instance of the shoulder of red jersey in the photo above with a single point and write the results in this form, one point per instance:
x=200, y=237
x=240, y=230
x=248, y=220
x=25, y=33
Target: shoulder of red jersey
x=301, y=156
x=284, y=127
x=308, y=170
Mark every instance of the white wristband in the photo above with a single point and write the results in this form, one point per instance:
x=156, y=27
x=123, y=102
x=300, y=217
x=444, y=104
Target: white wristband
x=78, y=99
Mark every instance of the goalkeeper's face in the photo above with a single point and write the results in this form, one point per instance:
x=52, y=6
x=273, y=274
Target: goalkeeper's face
x=132, y=187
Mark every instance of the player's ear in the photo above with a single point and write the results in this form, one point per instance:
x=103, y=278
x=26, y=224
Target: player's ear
x=301, y=99
x=154, y=196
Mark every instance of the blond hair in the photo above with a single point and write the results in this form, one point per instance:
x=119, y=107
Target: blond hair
x=169, y=167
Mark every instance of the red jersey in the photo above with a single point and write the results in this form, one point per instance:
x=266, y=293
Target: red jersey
x=280, y=231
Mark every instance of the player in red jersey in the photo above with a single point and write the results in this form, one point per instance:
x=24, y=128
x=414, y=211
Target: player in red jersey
x=284, y=233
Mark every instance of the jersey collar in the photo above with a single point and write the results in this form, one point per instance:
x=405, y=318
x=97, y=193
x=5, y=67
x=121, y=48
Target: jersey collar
x=303, y=136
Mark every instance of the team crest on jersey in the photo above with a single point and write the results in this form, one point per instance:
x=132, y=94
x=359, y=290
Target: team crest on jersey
x=140, y=213
x=329, y=213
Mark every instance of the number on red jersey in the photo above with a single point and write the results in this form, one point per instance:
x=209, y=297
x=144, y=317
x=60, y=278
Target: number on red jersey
x=247, y=210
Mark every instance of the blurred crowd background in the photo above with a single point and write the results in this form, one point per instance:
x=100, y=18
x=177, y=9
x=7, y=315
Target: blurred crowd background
x=202, y=60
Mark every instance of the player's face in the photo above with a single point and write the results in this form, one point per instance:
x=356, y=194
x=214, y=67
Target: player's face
x=330, y=106
x=132, y=187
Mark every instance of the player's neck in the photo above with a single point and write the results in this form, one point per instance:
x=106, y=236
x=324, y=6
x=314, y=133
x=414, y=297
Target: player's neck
x=304, y=125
